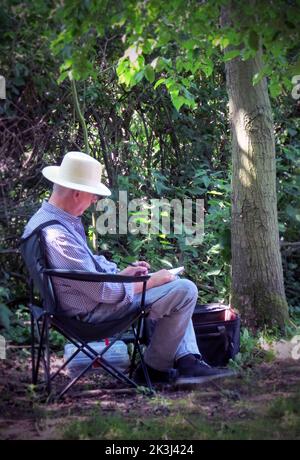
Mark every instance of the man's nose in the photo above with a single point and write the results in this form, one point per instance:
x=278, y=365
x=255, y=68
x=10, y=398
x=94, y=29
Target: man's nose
x=95, y=198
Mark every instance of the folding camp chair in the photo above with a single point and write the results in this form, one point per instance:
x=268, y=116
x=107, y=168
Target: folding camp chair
x=46, y=314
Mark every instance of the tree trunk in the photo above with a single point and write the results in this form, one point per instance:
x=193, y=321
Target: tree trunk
x=257, y=275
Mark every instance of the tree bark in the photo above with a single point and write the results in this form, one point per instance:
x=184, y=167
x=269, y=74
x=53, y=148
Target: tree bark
x=257, y=276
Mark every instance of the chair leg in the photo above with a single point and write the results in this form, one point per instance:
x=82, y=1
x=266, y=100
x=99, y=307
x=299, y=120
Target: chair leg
x=43, y=352
x=47, y=356
x=133, y=357
x=38, y=334
x=111, y=370
x=145, y=370
x=33, y=369
x=40, y=337
x=137, y=349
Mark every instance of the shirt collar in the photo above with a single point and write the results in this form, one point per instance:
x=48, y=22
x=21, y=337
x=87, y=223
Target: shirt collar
x=58, y=212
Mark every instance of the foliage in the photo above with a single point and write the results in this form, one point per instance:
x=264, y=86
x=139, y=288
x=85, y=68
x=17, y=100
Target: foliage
x=154, y=102
x=170, y=45
x=251, y=352
x=287, y=127
x=19, y=332
x=5, y=313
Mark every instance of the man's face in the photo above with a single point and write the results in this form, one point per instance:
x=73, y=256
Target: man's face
x=84, y=201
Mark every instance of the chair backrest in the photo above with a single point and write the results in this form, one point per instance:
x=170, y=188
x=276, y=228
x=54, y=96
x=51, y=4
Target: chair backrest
x=32, y=249
x=33, y=253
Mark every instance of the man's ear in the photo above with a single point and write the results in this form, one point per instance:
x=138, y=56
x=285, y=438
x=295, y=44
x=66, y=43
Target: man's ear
x=76, y=195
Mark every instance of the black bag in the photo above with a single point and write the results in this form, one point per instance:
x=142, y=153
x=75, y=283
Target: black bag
x=217, y=329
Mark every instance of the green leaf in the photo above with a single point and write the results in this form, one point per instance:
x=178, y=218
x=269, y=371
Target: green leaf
x=160, y=63
x=277, y=49
x=275, y=88
x=62, y=77
x=164, y=37
x=147, y=46
x=214, y=192
x=190, y=44
x=178, y=101
x=4, y=293
x=221, y=41
x=293, y=213
x=294, y=69
x=138, y=77
x=292, y=132
x=5, y=314
x=247, y=53
x=122, y=66
x=253, y=40
x=265, y=71
x=67, y=64
x=159, y=82
x=180, y=64
x=206, y=181
x=281, y=227
x=230, y=55
x=149, y=73
x=207, y=68
x=129, y=76
x=188, y=95
x=213, y=273
x=165, y=262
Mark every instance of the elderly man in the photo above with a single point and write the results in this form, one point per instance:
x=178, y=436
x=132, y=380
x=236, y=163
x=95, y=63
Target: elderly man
x=77, y=184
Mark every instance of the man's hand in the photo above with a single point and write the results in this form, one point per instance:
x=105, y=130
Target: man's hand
x=157, y=279
x=161, y=277
x=137, y=270
x=141, y=263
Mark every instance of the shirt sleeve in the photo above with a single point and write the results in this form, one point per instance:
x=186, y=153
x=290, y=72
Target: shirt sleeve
x=106, y=265
x=65, y=252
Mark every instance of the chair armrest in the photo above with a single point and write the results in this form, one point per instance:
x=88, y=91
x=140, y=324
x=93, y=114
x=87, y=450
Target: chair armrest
x=81, y=275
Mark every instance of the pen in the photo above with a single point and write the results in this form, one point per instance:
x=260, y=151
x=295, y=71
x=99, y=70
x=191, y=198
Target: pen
x=135, y=264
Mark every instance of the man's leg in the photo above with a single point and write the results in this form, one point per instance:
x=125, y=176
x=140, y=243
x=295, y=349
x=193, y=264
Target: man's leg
x=188, y=344
x=173, y=342
x=172, y=306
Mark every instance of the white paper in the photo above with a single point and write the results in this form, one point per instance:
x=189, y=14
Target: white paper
x=176, y=271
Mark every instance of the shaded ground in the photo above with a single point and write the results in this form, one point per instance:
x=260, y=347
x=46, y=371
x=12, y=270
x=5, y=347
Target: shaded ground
x=263, y=403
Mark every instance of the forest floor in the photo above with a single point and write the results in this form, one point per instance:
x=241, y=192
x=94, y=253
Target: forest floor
x=263, y=402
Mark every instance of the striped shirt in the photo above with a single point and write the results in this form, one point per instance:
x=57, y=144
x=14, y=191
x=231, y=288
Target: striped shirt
x=69, y=250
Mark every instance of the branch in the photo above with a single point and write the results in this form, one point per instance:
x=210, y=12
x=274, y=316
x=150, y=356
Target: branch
x=293, y=244
x=288, y=248
x=80, y=115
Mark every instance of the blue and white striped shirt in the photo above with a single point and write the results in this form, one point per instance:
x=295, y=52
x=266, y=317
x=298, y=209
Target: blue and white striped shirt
x=69, y=250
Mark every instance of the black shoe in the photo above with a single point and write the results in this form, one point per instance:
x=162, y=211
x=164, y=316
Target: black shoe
x=155, y=375
x=195, y=370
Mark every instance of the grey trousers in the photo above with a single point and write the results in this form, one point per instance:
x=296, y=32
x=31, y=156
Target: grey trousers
x=172, y=306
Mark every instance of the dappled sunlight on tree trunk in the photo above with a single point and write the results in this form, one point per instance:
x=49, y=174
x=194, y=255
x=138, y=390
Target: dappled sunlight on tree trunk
x=257, y=276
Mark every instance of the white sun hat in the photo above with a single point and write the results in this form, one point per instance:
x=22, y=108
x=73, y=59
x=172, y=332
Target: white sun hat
x=78, y=171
